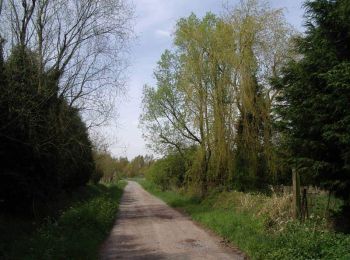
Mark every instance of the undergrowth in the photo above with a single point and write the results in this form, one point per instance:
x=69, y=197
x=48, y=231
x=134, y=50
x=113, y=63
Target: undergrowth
x=260, y=225
x=76, y=234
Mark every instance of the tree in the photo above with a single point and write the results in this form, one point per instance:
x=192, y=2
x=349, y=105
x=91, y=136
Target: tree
x=168, y=172
x=45, y=146
x=314, y=99
x=82, y=43
x=213, y=93
x=167, y=120
x=59, y=60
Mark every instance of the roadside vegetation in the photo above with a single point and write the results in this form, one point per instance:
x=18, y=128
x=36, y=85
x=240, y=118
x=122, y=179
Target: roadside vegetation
x=56, y=72
x=261, y=226
x=242, y=103
x=77, y=232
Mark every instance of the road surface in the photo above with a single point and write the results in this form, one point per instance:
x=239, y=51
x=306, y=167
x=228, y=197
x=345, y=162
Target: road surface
x=147, y=228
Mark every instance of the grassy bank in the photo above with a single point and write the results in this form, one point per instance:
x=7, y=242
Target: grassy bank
x=76, y=234
x=259, y=225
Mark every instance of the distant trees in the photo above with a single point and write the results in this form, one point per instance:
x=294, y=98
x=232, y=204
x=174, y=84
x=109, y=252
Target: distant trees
x=105, y=167
x=138, y=165
x=109, y=168
x=314, y=98
x=213, y=93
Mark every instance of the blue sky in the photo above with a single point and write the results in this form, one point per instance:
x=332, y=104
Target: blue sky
x=154, y=24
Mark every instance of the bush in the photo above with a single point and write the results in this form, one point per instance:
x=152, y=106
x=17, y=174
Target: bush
x=96, y=176
x=106, y=167
x=168, y=172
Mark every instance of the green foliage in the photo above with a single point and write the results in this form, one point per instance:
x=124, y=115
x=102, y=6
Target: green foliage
x=302, y=241
x=109, y=169
x=121, y=165
x=76, y=234
x=168, y=173
x=172, y=198
x=45, y=147
x=314, y=100
x=96, y=176
x=138, y=166
x=106, y=167
x=213, y=92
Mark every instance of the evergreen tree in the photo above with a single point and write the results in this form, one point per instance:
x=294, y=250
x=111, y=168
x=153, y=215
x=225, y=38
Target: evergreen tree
x=315, y=94
x=45, y=147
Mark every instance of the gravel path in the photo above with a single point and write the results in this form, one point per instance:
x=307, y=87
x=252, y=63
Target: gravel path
x=147, y=228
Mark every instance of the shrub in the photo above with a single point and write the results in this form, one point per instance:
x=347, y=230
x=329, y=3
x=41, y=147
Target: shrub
x=168, y=172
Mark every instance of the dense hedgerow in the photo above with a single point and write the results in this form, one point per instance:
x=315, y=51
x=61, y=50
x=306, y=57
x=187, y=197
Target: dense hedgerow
x=45, y=148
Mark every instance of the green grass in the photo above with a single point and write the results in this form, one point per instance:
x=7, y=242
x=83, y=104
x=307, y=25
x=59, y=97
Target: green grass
x=249, y=232
x=76, y=234
x=136, y=178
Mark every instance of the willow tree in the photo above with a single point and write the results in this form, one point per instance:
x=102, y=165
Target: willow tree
x=191, y=38
x=262, y=39
x=220, y=90
x=166, y=120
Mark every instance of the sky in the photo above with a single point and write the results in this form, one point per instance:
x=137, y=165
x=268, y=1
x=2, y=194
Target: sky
x=154, y=24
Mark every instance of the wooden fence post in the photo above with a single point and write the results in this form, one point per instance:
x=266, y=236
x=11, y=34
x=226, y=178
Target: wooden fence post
x=296, y=194
x=304, y=205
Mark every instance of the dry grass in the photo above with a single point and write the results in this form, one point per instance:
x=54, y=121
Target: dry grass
x=277, y=211
x=274, y=209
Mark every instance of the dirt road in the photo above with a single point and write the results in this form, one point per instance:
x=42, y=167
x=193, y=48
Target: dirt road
x=146, y=228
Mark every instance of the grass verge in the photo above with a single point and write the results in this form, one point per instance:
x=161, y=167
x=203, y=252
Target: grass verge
x=252, y=233
x=76, y=234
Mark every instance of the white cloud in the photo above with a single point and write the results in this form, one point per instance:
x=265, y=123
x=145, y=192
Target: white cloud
x=151, y=13
x=163, y=33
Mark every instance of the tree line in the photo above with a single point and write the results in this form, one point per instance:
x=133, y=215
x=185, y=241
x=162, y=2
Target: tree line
x=109, y=168
x=243, y=98
x=57, y=61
